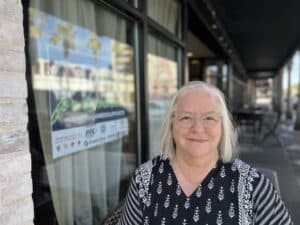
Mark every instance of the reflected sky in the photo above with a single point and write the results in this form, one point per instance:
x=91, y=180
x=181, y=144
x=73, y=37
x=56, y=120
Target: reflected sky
x=81, y=54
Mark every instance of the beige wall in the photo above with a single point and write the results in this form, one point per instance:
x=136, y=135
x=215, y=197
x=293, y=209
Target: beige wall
x=16, y=206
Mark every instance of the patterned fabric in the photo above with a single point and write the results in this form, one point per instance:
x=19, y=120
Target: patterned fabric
x=232, y=193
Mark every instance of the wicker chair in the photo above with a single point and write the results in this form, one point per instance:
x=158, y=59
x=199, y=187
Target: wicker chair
x=113, y=218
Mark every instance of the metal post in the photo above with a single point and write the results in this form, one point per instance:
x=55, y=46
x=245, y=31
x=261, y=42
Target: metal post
x=288, y=100
x=297, y=123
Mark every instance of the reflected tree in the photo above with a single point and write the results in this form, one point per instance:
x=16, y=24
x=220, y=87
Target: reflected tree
x=95, y=45
x=64, y=34
x=37, y=22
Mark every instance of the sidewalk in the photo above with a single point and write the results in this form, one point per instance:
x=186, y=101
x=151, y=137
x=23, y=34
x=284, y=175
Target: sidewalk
x=282, y=158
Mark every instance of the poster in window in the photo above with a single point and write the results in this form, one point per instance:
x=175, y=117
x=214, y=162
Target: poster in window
x=81, y=73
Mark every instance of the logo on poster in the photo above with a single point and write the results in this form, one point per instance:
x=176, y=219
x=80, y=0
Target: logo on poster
x=103, y=128
x=89, y=133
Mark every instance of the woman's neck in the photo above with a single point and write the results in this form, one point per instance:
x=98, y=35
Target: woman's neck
x=194, y=170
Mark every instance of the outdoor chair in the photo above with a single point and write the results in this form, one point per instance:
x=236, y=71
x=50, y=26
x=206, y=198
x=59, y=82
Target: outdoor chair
x=113, y=217
x=271, y=132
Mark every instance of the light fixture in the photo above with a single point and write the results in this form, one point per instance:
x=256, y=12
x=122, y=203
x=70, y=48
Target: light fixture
x=195, y=61
x=213, y=13
x=189, y=54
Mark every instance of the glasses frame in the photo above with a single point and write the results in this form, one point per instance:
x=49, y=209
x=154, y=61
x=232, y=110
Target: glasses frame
x=207, y=124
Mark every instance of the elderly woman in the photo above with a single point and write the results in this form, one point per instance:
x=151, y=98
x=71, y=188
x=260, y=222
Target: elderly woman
x=197, y=179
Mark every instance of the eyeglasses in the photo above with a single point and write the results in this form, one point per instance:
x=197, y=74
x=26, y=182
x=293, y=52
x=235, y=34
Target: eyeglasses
x=187, y=120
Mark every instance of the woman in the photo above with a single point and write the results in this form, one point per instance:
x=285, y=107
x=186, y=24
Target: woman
x=197, y=179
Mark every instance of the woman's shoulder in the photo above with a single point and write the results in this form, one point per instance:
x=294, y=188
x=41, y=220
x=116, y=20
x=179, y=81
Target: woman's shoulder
x=142, y=176
x=243, y=168
x=148, y=166
x=253, y=175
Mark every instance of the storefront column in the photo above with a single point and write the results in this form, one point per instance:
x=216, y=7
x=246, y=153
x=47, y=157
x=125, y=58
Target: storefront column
x=297, y=123
x=16, y=205
x=277, y=91
x=251, y=94
x=288, y=100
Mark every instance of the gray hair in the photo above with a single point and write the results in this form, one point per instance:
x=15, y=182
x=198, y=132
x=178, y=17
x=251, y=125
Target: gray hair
x=228, y=143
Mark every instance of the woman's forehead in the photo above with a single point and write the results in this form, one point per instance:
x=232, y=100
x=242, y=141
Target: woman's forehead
x=198, y=98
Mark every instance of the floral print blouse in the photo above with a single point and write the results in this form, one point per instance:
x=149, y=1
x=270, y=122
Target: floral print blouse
x=232, y=193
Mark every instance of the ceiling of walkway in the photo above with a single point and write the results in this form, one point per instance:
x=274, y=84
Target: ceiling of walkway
x=265, y=33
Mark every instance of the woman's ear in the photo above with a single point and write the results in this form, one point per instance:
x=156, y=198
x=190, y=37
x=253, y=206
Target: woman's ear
x=174, y=143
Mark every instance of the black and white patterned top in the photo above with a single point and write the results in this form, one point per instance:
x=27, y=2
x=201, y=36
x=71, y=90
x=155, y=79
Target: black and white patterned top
x=232, y=193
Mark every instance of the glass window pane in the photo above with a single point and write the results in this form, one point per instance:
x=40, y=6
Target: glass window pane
x=195, y=70
x=132, y=2
x=237, y=90
x=82, y=63
x=167, y=13
x=163, y=73
x=225, y=75
x=215, y=73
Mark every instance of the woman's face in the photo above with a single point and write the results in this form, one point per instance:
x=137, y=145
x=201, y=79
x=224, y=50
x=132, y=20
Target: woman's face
x=197, y=125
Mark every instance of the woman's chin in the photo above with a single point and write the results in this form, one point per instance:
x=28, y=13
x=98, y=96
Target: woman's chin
x=198, y=151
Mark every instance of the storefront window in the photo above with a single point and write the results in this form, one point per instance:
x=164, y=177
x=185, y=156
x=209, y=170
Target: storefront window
x=225, y=78
x=211, y=74
x=237, y=91
x=195, y=70
x=167, y=13
x=163, y=76
x=82, y=63
x=134, y=3
x=216, y=73
x=264, y=93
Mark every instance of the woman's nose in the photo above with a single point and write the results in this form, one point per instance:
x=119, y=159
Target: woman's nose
x=198, y=124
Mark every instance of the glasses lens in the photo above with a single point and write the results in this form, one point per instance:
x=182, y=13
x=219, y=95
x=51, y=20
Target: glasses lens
x=208, y=120
x=185, y=120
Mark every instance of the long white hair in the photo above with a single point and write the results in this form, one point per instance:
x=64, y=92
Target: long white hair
x=228, y=143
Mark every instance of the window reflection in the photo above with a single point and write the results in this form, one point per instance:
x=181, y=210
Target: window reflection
x=167, y=13
x=211, y=74
x=162, y=84
x=263, y=92
x=216, y=73
x=83, y=82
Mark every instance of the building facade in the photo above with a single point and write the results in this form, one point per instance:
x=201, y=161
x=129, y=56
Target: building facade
x=16, y=205
x=82, y=106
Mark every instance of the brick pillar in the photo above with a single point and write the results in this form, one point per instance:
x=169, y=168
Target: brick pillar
x=16, y=206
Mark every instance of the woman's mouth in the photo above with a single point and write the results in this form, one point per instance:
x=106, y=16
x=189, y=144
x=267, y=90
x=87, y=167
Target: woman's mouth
x=198, y=140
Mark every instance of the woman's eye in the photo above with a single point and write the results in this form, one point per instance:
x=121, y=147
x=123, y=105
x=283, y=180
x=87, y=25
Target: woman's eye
x=211, y=118
x=186, y=118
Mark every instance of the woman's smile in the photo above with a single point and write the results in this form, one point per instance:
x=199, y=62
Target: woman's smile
x=197, y=140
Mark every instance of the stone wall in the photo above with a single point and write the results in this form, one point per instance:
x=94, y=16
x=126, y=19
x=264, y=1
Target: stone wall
x=16, y=206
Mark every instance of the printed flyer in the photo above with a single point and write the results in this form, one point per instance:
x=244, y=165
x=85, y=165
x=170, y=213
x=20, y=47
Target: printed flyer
x=75, y=67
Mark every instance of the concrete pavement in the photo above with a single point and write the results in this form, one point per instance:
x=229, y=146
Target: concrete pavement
x=282, y=157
